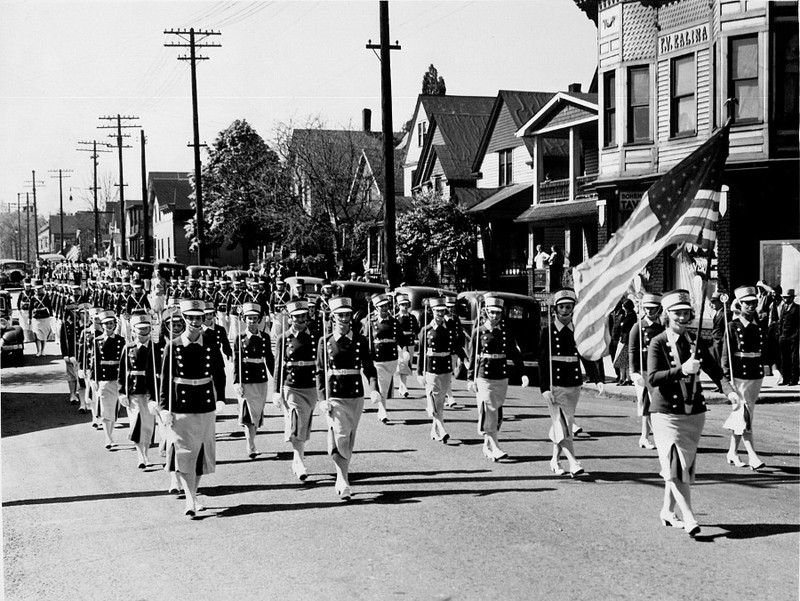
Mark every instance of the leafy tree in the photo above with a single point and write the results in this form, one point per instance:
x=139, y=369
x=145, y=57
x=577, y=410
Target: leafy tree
x=436, y=229
x=433, y=83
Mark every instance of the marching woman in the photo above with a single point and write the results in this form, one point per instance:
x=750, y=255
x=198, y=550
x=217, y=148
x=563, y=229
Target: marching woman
x=295, y=384
x=343, y=356
x=109, y=348
x=491, y=350
x=409, y=330
x=190, y=375
x=743, y=360
x=382, y=331
x=40, y=315
x=678, y=409
x=137, y=386
x=253, y=362
x=643, y=331
x=560, y=379
x=91, y=328
x=68, y=337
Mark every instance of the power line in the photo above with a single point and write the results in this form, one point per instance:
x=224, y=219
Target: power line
x=94, y=151
x=61, y=176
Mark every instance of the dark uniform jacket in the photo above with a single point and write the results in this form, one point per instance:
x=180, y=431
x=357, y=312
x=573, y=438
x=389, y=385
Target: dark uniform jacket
x=137, y=369
x=566, y=368
x=383, y=335
x=436, y=345
x=278, y=300
x=251, y=364
x=637, y=349
x=68, y=334
x=192, y=375
x=40, y=307
x=498, y=354
x=347, y=358
x=789, y=323
x=747, y=350
x=86, y=349
x=296, y=364
x=106, y=354
x=222, y=301
x=409, y=329
x=137, y=304
x=456, y=331
x=24, y=301
x=220, y=336
x=671, y=391
x=237, y=299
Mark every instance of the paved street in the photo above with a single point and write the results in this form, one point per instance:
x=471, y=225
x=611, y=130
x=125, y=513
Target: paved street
x=428, y=521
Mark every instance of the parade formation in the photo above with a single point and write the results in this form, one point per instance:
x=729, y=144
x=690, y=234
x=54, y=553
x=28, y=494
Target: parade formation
x=166, y=358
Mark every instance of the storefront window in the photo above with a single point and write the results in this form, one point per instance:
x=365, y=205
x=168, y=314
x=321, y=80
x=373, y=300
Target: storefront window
x=780, y=263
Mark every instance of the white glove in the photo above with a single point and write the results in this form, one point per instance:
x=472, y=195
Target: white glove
x=638, y=379
x=277, y=400
x=525, y=381
x=220, y=405
x=690, y=367
x=735, y=400
x=152, y=407
x=166, y=418
x=421, y=380
x=471, y=386
x=81, y=374
x=123, y=400
x=325, y=407
x=73, y=360
x=375, y=396
x=601, y=388
x=405, y=356
x=547, y=395
x=239, y=390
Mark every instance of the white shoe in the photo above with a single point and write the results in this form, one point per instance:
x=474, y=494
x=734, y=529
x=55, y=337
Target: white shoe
x=646, y=444
x=299, y=470
x=556, y=468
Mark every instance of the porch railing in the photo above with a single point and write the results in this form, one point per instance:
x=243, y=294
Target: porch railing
x=557, y=190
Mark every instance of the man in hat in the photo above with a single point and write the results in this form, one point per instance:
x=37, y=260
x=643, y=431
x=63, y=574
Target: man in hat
x=560, y=379
x=643, y=331
x=90, y=328
x=453, y=324
x=409, y=330
x=743, y=357
x=295, y=385
x=343, y=357
x=137, y=302
x=253, y=364
x=191, y=376
x=788, y=337
x=68, y=339
x=491, y=349
x=23, y=307
x=212, y=328
x=383, y=332
x=323, y=300
x=109, y=348
x=137, y=386
x=39, y=314
x=435, y=367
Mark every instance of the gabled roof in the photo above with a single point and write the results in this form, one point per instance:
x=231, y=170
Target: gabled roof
x=173, y=194
x=462, y=135
x=584, y=109
x=81, y=220
x=374, y=163
x=506, y=199
x=452, y=105
x=521, y=106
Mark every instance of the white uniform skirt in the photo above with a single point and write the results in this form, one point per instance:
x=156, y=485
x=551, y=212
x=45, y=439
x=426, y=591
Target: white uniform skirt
x=343, y=424
x=436, y=386
x=251, y=407
x=143, y=423
x=72, y=370
x=562, y=412
x=642, y=401
x=676, y=437
x=25, y=324
x=297, y=417
x=405, y=360
x=490, y=395
x=41, y=328
x=741, y=420
x=385, y=372
x=108, y=400
x=191, y=447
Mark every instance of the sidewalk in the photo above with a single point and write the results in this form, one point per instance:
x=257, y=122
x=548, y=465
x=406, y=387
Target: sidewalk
x=770, y=391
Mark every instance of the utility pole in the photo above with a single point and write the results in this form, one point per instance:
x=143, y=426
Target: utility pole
x=94, y=151
x=145, y=202
x=28, y=227
x=119, y=146
x=19, y=227
x=61, y=175
x=33, y=183
x=193, y=42
x=389, y=223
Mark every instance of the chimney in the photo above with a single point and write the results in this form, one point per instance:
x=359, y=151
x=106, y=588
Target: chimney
x=574, y=87
x=366, y=120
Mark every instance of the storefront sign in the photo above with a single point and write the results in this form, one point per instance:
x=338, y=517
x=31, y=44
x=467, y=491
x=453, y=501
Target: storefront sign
x=685, y=38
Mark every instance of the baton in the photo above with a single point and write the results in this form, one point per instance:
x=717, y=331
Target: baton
x=724, y=298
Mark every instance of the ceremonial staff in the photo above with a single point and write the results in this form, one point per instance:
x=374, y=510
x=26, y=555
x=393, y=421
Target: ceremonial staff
x=325, y=363
x=476, y=336
x=702, y=276
x=724, y=298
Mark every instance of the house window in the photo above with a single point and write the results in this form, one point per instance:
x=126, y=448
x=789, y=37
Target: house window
x=609, y=108
x=786, y=67
x=683, y=114
x=422, y=129
x=639, y=104
x=506, y=175
x=743, y=83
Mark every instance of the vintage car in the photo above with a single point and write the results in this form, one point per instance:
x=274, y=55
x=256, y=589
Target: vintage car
x=360, y=293
x=522, y=314
x=204, y=271
x=418, y=295
x=12, y=336
x=167, y=271
x=311, y=286
x=12, y=273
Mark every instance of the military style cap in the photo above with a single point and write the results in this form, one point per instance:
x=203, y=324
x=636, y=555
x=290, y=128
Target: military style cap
x=651, y=300
x=251, y=309
x=450, y=301
x=140, y=321
x=137, y=284
x=38, y=284
x=380, y=299
x=171, y=313
x=745, y=293
x=565, y=295
x=84, y=307
x=210, y=308
x=341, y=304
x=192, y=307
x=297, y=307
x=105, y=316
x=493, y=302
x=676, y=300
x=438, y=303
x=402, y=299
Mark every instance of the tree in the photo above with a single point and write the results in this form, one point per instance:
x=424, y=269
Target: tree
x=433, y=83
x=242, y=181
x=436, y=229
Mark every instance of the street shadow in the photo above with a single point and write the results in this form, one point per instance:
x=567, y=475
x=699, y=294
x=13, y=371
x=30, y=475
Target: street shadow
x=748, y=531
x=81, y=498
x=400, y=497
x=26, y=412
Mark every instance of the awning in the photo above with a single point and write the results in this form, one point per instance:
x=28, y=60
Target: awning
x=508, y=193
x=559, y=211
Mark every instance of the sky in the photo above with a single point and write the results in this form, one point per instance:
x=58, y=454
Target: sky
x=66, y=63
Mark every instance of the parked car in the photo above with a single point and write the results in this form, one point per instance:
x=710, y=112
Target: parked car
x=12, y=273
x=13, y=340
x=522, y=315
x=417, y=296
x=204, y=271
x=167, y=271
x=359, y=293
x=237, y=274
x=310, y=289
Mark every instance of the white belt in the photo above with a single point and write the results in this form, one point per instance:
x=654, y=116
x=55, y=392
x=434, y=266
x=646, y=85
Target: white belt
x=493, y=356
x=136, y=372
x=384, y=340
x=565, y=359
x=432, y=354
x=250, y=360
x=300, y=363
x=346, y=372
x=12, y=347
x=190, y=382
x=408, y=333
x=109, y=362
x=744, y=355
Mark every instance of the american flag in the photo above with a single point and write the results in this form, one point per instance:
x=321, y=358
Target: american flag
x=682, y=207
